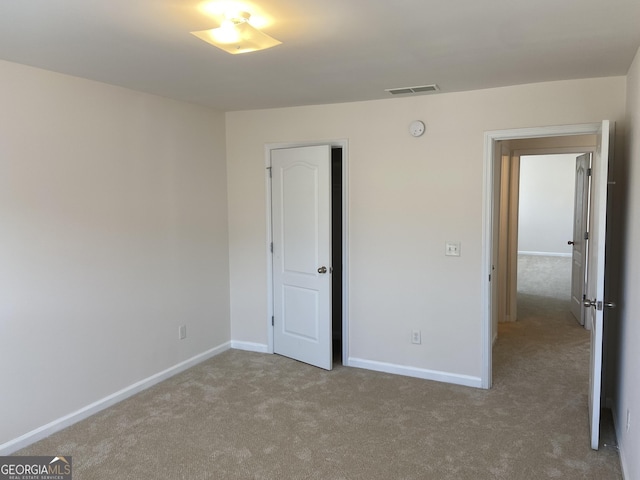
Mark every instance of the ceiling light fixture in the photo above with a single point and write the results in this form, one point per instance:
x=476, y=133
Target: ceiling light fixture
x=237, y=35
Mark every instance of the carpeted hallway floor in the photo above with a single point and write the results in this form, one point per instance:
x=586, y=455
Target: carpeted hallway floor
x=252, y=416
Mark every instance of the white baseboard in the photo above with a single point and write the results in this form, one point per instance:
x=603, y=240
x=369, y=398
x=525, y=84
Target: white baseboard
x=545, y=254
x=250, y=346
x=621, y=450
x=85, y=412
x=425, y=374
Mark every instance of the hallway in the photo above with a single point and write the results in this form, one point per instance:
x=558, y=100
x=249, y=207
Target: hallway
x=544, y=356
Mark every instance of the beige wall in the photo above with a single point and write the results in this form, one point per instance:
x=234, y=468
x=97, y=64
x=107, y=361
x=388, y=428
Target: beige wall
x=628, y=365
x=407, y=197
x=545, y=206
x=113, y=232
x=113, y=210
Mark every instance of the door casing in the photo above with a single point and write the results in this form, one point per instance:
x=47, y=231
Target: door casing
x=343, y=144
x=491, y=153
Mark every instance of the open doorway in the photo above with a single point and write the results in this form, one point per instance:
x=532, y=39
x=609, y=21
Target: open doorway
x=547, y=207
x=336, y=253
x=498, y=146
x=542, y=225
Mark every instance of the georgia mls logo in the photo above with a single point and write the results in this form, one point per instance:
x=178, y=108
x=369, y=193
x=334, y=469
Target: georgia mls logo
x=64, y=465
x=35, y=468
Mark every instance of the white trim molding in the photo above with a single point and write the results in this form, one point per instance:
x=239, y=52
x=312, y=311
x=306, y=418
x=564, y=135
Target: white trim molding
x=423, y=373
x=66, y=421
x=621, y=445
x=250, y=346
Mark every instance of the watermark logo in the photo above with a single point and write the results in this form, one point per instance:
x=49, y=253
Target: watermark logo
x=35, y=468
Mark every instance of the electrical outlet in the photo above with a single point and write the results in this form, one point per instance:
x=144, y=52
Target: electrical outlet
x=182, y=332
x=628, y=419
x=416, y=337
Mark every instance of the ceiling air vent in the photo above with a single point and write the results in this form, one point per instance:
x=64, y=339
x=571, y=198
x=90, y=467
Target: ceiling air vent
x=413, y=90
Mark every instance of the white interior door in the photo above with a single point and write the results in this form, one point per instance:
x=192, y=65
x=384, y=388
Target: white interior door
x=580, y=222
x=301, y=216
x=595, y=274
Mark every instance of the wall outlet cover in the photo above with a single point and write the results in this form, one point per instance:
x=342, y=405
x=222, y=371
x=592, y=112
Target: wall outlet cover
x=452, y=249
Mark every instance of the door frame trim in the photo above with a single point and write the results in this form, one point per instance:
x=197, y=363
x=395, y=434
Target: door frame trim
x=341, y=143
x=490, y=140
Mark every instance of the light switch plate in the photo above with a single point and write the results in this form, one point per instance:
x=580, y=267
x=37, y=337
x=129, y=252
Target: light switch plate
x=452, y=249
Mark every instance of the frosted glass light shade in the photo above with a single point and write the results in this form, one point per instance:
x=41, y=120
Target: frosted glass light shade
x=237, y=38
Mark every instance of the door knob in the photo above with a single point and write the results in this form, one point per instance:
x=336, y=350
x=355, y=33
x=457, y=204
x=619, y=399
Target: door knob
x=570, y=242
x=322, y=270
x=598, y=305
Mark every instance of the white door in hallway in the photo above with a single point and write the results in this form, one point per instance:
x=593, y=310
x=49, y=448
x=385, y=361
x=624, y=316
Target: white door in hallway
x=595, y=287
x=580, y=221
x=301, y=216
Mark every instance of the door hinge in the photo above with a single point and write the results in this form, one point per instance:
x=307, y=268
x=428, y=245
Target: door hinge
x=271, y=247
x=489, y=277
x=269, y=168
x=588, y=172
x=586, y=235
x=273, y=321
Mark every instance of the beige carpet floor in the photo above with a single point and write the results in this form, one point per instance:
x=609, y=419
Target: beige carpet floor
x=245, y=415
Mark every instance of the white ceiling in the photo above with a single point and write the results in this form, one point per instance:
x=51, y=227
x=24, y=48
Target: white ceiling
x=333, y=50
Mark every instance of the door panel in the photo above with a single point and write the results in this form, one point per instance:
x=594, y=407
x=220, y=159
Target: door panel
x=300, y=312
x=301, y=203
x=595, y=274
x=580, y=222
